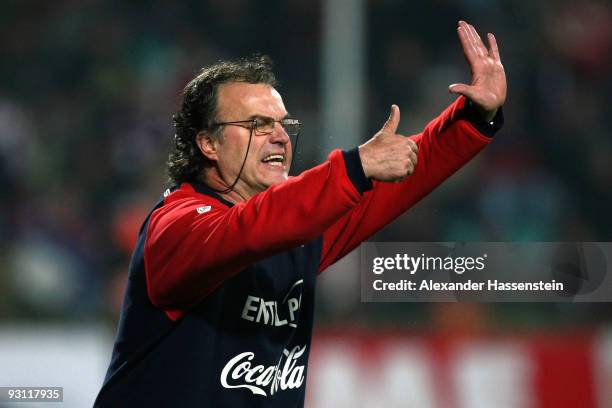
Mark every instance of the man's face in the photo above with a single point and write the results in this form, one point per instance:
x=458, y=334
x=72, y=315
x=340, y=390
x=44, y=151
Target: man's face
x=269, y=155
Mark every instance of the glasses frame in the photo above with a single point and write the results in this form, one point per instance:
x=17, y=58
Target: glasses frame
x=258, y=132
x=253, y=129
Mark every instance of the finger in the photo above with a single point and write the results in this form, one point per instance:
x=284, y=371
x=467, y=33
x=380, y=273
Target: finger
x=475, y=34
x=417, y=142
x=413, y=157
x=466, y=43
x=493, y=49
x=469, y=35
x=413, y=146
x=462, y=89
x=410, y=169
x=393, y=121
x=481, y=44
x=476, y=41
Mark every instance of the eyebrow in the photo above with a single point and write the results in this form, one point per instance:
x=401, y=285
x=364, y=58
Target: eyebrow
x=287, y=116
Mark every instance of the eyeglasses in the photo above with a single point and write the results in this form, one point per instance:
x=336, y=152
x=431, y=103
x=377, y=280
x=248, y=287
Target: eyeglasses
x=265, y=126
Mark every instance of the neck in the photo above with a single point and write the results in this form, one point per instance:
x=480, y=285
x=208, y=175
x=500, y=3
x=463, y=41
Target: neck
x=212, y=179
x=233, y=197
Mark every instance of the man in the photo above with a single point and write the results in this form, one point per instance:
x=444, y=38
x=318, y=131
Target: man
x=219, y=305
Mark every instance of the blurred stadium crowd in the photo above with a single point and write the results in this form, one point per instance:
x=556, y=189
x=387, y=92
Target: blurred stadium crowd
x=88, y=88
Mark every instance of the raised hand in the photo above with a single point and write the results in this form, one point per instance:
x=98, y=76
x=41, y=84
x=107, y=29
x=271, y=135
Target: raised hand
x=389, y=156
x=488, y=88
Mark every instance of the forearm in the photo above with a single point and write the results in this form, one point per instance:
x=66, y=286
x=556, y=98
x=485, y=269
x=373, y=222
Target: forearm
x=445, y=145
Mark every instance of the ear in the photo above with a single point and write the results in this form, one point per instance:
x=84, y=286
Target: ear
x=208, y=145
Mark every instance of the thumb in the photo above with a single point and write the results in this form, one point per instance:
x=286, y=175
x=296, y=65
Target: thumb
x=462, y=89
x=393, y=121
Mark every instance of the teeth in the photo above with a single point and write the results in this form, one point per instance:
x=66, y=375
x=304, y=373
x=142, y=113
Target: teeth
x=274, y=158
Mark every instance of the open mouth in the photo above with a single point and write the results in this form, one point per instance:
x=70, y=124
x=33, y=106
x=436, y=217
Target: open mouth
x=274, y=160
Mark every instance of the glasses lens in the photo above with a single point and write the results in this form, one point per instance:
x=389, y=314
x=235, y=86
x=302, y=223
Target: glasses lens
x=291, y=126
x=264, y=126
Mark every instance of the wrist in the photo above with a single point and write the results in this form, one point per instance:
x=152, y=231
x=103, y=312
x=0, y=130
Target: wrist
x=487, y=122
x=356, y=169
x=484, y=115
x=362, y=159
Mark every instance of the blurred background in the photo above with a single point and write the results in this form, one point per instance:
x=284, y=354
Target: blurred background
x=87, y=91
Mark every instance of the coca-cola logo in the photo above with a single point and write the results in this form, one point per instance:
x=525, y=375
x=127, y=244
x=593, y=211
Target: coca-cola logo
x=241, y=372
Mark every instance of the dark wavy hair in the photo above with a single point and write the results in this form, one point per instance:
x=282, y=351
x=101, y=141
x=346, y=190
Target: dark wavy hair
x=199, y=111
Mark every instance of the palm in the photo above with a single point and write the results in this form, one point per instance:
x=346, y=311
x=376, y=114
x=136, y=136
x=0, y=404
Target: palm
x=487, y=90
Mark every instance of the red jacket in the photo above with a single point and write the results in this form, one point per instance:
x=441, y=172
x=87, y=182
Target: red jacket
x=220, y=298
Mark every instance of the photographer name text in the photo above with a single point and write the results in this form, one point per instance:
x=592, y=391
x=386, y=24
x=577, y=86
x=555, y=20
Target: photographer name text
x=458, y=265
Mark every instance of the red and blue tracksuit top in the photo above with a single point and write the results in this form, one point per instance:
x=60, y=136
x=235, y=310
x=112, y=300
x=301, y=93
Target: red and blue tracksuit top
x=218, y=310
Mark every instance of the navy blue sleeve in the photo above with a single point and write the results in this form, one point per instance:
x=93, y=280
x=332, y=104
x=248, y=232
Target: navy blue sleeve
x=486, y=128
x=355, y=171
